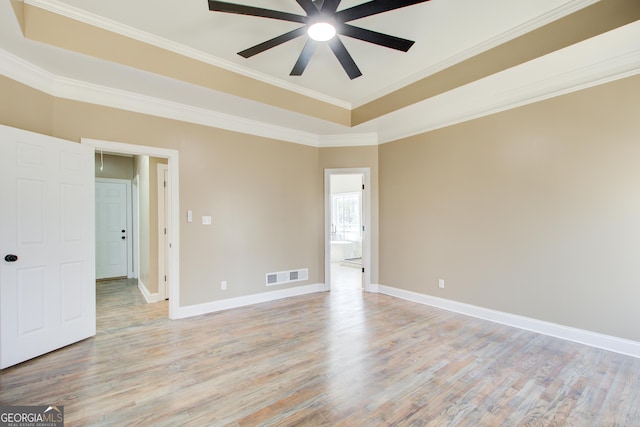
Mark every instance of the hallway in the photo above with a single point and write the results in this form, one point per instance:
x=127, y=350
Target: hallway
x=120, y=305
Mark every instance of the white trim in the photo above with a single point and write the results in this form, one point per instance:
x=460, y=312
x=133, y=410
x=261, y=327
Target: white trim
x=22, y=71
x=540, y=21
x=163, y=284
x=151, y=298
x=174, y=209
x=568, y=70
x=559, y=73
x=89, y=18
x=77, y=90
x=348, y=140
x=593, y=339
x=366, y=172
x=226, y=304
x=135, y=204
x=129, y=219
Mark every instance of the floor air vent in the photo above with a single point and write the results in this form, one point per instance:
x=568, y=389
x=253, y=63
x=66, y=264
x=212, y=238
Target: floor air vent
x=287, y=276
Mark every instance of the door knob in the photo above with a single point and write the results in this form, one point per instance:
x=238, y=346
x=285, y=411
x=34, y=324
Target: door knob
x=11, y=258
x=123, y=231
x=123, y=237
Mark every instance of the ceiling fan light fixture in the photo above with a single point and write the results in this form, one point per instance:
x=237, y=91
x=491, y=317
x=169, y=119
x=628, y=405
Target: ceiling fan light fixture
x=321, y=31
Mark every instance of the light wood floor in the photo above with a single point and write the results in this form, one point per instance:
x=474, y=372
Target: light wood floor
x=340, y=359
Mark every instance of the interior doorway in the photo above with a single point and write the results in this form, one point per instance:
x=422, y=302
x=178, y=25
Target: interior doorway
x=347, y=229
x=172, y=213
x=114, y=233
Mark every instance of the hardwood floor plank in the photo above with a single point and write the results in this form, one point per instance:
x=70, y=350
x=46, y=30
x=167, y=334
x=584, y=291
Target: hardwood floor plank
x=337, y=359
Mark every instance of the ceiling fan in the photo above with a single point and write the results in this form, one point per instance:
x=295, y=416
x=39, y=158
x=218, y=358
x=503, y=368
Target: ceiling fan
x=323, y=22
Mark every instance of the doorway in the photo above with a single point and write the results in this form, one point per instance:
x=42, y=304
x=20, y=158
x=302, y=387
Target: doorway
x=113, y=228
x=347, y=228
x=172, y=220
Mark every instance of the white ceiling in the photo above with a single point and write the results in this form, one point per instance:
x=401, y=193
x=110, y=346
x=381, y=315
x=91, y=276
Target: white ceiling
x=442, y=30
x=445, y=31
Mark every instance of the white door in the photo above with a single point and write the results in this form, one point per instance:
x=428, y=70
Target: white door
x=112, y=236
x=47, y=294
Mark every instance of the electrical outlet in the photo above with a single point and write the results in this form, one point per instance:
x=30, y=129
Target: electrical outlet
x=223, y=285
x=441, y=283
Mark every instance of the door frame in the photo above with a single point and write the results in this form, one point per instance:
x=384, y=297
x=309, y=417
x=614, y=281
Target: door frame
x=366, y=221
x=135, y=231
x=173, y=212
x=163, y=247
x=129, y=215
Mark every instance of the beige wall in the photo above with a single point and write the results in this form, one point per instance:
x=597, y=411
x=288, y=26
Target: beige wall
x=356, y=157
x=25, y=108
x=115, y=167
x=265, y=196
x=535, y=211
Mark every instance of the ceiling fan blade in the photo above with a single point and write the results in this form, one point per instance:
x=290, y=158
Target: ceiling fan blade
x=329, y=6
x=309, y=7
x=345, y=58
x=373, y=8
x=221, y=6
x=254, y=50
x=304, y=58
x=374, y=37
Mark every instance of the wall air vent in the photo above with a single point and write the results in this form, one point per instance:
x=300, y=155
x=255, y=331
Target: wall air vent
x=282, y=277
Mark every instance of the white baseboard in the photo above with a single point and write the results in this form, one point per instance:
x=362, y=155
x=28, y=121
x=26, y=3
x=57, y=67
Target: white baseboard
x=155, y=297
x=225, y=304
x=374, y=287
x=593, y=339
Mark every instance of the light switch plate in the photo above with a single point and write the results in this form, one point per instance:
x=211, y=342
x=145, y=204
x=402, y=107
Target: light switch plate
x=206, y=220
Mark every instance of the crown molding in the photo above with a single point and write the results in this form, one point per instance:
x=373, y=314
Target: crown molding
x=551, y=88
x=25, y=72
x=80, y=15
x=488, y=44
x=61, y=87
x=606, y=58
x=349, y=140
x=89, y=18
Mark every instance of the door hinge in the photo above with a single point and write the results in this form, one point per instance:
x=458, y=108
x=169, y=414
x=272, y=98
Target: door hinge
x=363, y=186
x=363, y=269
x=165, y=230
x=165, y=277
x=165, y=184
